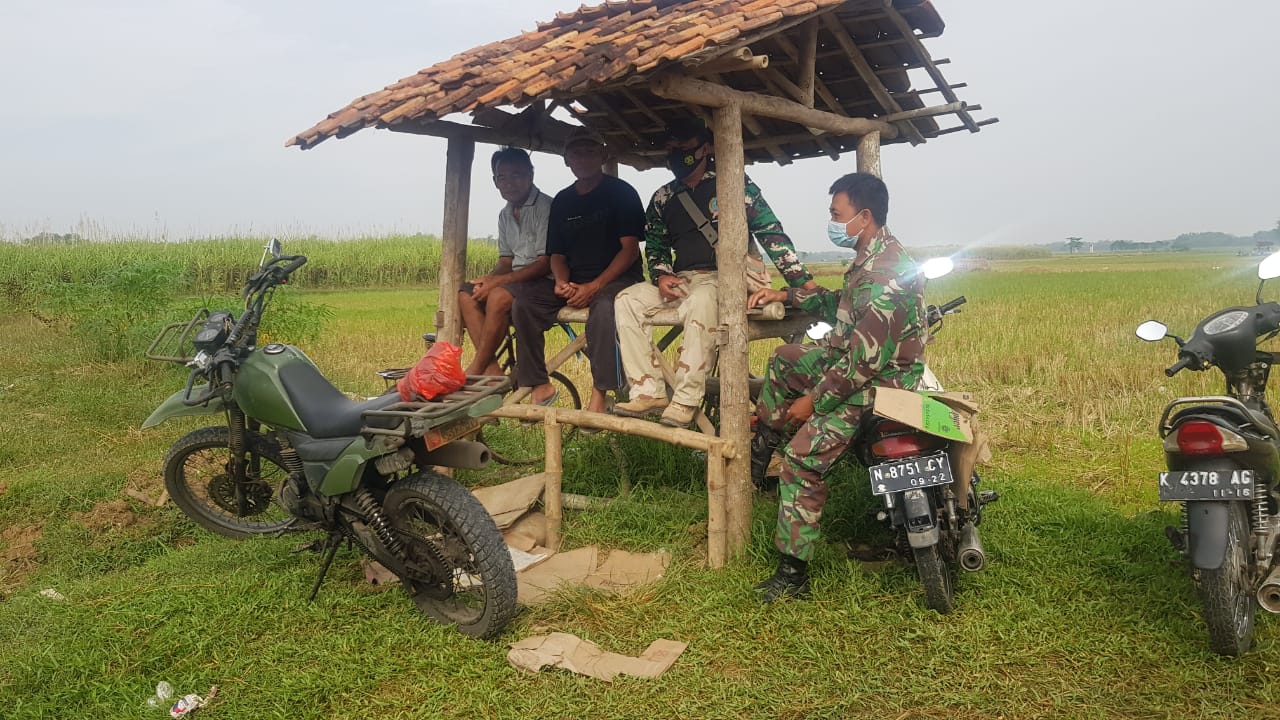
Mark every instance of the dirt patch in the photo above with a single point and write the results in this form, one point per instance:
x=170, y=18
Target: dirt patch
x=147, y=480
x=4, y=488
x=110, y=515
x=18, y=553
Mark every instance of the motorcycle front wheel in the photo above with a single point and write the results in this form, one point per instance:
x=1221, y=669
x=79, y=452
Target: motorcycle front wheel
x=460, y=571
x=197, y=475
x=1226, y=592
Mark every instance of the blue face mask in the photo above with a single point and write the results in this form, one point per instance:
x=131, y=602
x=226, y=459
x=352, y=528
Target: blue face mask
x=839, y=237
x=837, y=232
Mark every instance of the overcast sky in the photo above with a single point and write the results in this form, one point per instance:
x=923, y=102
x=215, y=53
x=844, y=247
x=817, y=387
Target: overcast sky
x=1130, y=120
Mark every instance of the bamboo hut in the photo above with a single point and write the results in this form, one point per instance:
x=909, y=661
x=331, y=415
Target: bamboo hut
x=777, y=81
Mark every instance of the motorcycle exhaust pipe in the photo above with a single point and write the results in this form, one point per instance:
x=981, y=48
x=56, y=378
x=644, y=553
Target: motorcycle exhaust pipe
x=1269, y=592
x=466, y=454
x=972, y=559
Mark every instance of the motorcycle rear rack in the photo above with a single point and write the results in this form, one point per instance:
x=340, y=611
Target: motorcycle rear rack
x=481, y=395
x=1165, y=428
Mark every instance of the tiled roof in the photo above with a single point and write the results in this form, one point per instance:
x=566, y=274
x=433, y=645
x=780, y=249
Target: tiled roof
x=603, y=57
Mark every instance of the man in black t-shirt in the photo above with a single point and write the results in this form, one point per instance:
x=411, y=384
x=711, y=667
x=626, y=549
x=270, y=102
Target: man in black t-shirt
x=593, y=240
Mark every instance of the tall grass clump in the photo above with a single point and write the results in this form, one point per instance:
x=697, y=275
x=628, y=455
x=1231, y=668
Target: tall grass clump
x=112, y=315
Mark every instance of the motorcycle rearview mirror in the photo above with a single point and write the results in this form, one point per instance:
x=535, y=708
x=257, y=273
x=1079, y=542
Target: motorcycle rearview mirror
x=818, y=330
x=272, y=248
x=1267, y=269
x=1152, y=330
x=937, y=267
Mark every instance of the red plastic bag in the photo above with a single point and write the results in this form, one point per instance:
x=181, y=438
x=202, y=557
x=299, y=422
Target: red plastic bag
x=439, y=372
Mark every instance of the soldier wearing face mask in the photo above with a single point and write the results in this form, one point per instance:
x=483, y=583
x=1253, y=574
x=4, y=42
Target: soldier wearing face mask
x=817, y=394
x=680, y=224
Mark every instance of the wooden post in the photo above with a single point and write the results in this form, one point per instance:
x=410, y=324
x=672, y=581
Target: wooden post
x=735, y=398
x=869, y=153
x=808, y=62
x=552, y=505
x=716, y=540
x=453, y=257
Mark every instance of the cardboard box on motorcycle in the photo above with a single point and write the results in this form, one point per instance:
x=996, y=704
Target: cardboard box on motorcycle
x=951, y=415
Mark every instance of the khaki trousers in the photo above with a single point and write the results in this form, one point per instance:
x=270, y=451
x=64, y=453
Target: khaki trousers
x=699, y=313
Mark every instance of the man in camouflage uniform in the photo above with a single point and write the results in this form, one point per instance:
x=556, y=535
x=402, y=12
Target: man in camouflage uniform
x=682, y=268
x=821, y=392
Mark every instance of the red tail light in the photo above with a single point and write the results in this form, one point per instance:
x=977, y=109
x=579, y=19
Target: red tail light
x=898, y=440
x=1199, y=437
x=1202, y=437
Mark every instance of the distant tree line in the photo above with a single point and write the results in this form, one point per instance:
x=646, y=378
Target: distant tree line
x=1182, y=243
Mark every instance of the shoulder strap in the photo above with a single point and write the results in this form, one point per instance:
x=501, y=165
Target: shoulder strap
x=704, y=225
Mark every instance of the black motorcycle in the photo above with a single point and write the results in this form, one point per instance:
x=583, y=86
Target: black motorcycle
x=1223, y=454
x=934, y=513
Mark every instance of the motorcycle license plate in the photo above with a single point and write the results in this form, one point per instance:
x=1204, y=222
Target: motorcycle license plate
x=916, y=472
x=1207, y=485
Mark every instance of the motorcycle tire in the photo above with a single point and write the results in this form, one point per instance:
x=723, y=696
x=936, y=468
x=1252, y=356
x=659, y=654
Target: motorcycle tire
x=938, y=578
x=445, y=531
x=197, y=478
x=1226, y=592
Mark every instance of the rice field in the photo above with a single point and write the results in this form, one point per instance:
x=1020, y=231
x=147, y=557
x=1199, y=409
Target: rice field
x=1084, y=610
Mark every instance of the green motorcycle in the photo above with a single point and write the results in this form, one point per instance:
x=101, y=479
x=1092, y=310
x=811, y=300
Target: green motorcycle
x=295, y=453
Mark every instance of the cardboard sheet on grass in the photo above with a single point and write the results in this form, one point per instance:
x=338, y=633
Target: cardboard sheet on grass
x=951, y=415
x=574, y=654
x=541, y=571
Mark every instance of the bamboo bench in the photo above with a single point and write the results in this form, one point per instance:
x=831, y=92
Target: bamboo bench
x=768, y=322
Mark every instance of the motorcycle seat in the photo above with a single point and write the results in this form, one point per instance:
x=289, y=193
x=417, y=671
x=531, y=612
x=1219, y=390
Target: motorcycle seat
x=324, y=410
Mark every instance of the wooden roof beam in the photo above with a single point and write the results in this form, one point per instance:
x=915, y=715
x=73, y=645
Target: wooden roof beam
x=643, y=108
x=618, y=118
x=701, y=92
x=550, y=138
x=780, y=84
x=897, y=41
x=819, y=87
x=869, y=76
x=738, y=60
x=930, y=67
x=758, y=130
x=754, y=126
x=959, y=128
x=808, y=62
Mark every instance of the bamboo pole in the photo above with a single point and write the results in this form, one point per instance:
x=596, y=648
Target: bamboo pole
x=630, y=426
x=717, y=546
x=700, y=92
x=735, y=399
x=869, y=154
x=554, y=476
x=869, y=76
x=453, y=257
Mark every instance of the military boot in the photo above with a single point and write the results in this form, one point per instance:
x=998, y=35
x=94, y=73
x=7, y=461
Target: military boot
x=790, y=580
x=763, y=445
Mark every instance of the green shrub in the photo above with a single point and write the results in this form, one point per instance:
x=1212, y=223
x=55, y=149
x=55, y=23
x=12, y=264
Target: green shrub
x=114, y=314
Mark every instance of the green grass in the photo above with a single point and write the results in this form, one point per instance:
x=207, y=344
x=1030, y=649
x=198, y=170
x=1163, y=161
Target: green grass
x=1084, y=610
